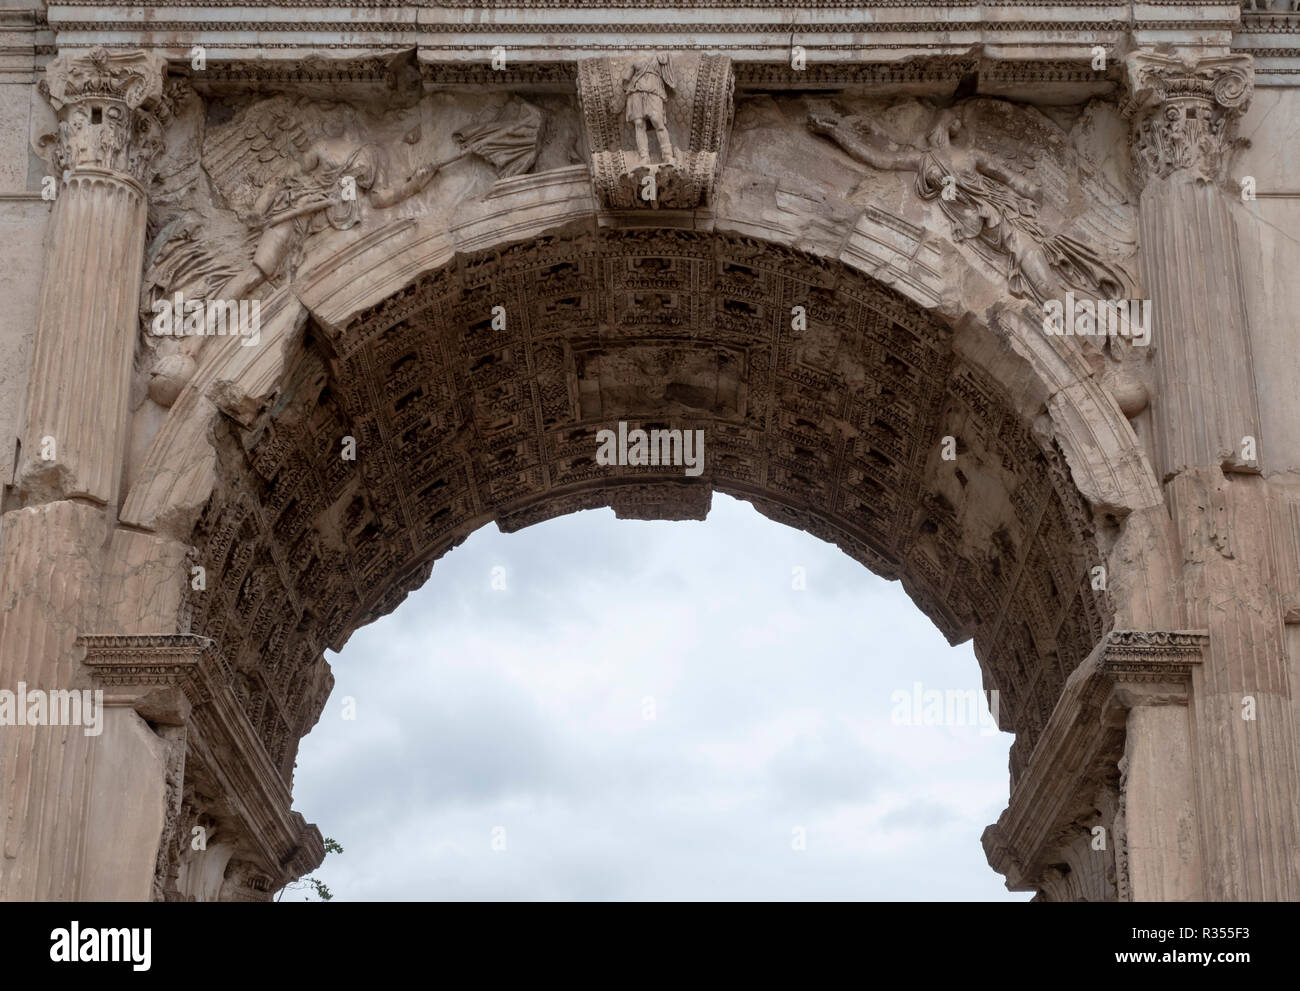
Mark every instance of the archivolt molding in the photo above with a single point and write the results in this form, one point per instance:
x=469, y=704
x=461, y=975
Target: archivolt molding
x=462, y=424
x=243, y=387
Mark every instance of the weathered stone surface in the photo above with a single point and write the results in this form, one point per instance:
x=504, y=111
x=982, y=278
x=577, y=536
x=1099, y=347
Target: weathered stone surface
x=452, y=279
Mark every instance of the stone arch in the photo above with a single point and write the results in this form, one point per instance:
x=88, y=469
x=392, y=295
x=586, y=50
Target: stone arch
x=837, y=166
x=389, y=340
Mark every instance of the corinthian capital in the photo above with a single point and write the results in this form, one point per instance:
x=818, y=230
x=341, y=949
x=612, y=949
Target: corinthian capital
x=109, y=107
x=1184, y=113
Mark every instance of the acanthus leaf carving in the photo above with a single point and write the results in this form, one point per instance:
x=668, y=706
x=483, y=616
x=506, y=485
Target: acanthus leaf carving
x=111, y=108
x=1184, y=114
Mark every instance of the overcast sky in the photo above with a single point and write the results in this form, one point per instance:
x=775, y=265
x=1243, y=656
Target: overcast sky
x=650, y=710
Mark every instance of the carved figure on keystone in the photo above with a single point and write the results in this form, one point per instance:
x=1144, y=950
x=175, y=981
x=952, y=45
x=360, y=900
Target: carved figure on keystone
x=646, y=85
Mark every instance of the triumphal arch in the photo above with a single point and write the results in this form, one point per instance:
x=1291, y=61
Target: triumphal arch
x=1000, y=298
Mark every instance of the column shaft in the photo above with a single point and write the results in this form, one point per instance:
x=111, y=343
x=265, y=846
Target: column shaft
x=1207, y=438
x=77, y=396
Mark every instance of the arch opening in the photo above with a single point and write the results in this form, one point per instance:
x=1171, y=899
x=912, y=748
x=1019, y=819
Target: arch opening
x=645, y=709
x=837, y=429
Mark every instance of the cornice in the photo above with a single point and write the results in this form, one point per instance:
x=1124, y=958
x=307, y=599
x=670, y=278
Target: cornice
x=1270, y=22
x=564, y=28
x=936, y=69
x=451, y=8
x=834, y=32
x=1186, y=645
x=778, y=29
x=142, y=663
x=640, y=5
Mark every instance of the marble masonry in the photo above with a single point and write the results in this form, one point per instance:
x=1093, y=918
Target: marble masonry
x=992, y=296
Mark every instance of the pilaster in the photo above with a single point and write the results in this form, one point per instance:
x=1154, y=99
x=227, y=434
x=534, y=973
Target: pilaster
x=71, y=464
x=1107, y=808
x=1184, y=112
x=178, y=685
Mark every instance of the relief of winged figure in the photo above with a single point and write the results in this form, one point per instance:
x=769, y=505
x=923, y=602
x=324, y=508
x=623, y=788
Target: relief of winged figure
x=985, y=197
x=307, y=181
x=295, y=168
x=284, y=169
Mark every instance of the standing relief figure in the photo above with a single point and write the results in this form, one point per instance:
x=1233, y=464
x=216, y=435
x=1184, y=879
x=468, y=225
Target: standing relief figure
x=984, y=198
x=686, y=99
x=646, y=85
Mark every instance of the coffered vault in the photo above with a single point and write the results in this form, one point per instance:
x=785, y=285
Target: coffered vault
x=474, y=243
x=835, y=430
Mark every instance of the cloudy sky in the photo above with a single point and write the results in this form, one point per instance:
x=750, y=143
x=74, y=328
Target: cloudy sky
x=651, y=710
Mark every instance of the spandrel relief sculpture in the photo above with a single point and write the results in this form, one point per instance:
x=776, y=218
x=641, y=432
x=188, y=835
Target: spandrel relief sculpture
x=247, y=193
x=1020, y=190
x=289, y=172
x=992, y=185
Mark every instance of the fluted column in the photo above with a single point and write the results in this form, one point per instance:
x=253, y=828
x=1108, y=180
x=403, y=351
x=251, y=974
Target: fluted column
x=1184, y=118
x=71, y=463
x=1184, y=112
x=109, y=132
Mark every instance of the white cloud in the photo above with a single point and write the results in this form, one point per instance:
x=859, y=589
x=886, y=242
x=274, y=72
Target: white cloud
x=523, y=708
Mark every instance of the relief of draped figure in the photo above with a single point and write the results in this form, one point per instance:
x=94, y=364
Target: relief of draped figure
x=987, y=196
